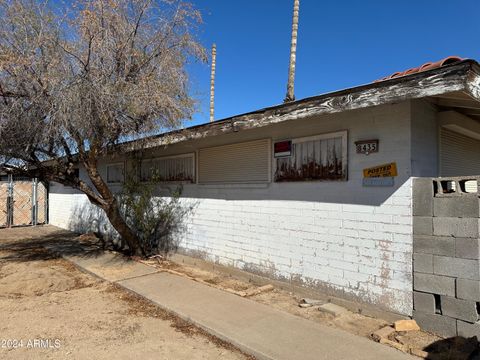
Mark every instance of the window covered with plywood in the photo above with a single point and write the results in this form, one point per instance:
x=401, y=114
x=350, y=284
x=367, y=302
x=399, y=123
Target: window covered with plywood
x=320, y=157
x=247, y=162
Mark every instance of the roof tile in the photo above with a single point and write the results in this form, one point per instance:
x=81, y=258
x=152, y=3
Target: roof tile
x=425, y=67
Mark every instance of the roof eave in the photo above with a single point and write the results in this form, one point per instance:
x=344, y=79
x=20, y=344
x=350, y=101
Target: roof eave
x=462, y=76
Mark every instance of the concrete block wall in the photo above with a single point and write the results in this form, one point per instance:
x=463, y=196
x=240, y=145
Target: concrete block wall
x=446, y=256
x=339, y=237
x=71, y=209
x=359, y=252
x=355, y=251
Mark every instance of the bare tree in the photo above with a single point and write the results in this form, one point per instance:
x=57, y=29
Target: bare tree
x=77, y=81
x=293, y=54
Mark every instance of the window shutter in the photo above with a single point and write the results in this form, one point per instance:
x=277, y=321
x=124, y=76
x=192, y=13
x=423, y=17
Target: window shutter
x=460, y=154
x=247, y=162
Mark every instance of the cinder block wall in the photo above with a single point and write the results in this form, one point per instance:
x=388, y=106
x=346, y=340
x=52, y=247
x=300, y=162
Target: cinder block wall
x=338, y=237
x=446, y=256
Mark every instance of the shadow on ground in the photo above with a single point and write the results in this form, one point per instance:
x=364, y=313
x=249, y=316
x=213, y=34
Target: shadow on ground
x=46, y=243
x=454, y=348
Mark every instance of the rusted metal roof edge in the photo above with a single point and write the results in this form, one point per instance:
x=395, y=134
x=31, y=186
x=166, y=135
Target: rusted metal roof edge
x=449, y=78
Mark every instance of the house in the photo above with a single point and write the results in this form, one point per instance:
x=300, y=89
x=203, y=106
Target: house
x=331, y=192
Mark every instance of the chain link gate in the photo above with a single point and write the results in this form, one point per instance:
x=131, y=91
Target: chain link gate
x=4, y=203
x=23, y=202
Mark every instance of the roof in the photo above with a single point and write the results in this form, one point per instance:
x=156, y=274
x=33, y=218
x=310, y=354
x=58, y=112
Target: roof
x=462, y=76
x=425, y=67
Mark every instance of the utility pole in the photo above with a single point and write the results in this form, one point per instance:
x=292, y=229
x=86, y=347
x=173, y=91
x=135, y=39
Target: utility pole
x=212, y=83
x=293, y=53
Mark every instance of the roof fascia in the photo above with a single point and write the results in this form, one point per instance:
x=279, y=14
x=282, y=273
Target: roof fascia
x=419, y=85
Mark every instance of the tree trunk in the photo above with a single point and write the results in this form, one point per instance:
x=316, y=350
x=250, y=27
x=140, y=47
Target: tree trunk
x=111, y=207
x=293, y=54
x=113, y=214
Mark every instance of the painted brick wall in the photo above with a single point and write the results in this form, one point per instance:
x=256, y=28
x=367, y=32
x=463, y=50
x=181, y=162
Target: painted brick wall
x=338, y=236
x=62, y=202
x=358, y=251
x=355, y=251
x=70, y=209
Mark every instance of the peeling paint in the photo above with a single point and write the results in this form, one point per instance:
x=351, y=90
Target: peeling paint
x=437, y=82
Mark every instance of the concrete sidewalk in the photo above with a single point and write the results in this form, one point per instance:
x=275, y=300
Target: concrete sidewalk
x=256, y=329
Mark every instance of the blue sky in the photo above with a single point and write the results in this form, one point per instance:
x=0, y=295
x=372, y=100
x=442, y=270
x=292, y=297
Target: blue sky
x=340, y=44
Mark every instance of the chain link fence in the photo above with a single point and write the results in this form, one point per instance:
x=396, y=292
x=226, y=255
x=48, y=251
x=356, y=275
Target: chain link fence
x=23, y=202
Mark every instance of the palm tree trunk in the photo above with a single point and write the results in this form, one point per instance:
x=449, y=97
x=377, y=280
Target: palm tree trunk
x=212, y=83
x=293, y=53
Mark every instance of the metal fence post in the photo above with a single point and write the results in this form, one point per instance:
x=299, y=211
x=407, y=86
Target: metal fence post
x=10, y=200
x=34, y=202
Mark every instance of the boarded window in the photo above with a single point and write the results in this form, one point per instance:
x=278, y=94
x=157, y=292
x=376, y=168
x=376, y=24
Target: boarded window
x=115, y=173
x=321, y=157
x=247, y=162
x=171, y=168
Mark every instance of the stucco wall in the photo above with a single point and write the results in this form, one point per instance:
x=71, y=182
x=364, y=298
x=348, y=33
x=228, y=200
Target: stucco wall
x=339, y=236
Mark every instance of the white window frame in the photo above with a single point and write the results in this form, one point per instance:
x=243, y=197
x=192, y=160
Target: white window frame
x=122, y=163
x=325, y=136
x=185, y=155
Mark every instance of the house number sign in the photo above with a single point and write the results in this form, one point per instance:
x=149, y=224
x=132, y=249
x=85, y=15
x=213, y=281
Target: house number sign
x=367, y=146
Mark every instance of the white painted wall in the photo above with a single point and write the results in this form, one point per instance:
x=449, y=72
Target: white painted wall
x=63, y=205
x=339, y=236
x=425, y=139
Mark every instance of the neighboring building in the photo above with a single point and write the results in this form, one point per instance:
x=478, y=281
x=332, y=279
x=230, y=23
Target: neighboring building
x=285, y=192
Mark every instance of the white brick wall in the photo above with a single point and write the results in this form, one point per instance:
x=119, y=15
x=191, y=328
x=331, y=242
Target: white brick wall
x=340, y=236
x=362, y=250
x=62, y=203
x=70, y=209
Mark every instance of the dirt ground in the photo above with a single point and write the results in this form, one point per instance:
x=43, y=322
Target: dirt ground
x=277, y=298
x=44, y=297
x=419, y=343
x=286, y=301
x=51, y=310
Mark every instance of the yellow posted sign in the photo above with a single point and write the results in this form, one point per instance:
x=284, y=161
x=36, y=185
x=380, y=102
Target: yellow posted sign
x=387, y=170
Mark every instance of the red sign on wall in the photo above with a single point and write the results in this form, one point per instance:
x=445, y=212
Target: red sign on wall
x=282, y=148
